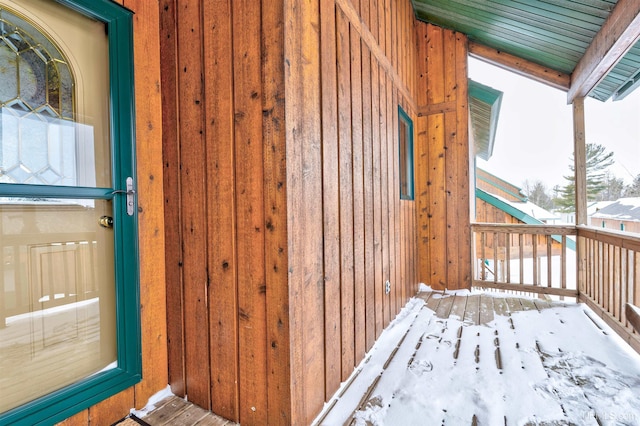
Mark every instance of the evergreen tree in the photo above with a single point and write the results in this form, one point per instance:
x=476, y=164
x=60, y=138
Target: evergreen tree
x=598, y=160
x=633, y=190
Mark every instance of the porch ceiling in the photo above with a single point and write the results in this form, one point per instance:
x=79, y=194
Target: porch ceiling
x=555, y=34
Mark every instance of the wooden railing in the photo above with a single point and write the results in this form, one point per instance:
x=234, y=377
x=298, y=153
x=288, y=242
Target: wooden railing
x=525, y=258
x=609, y=276
x=599, y=267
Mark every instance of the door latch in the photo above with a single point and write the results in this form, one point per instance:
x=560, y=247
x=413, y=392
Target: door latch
x=130, y=192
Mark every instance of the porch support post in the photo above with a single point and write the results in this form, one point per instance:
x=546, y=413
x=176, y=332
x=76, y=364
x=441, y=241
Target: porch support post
x=580, y=170
x=580, y=161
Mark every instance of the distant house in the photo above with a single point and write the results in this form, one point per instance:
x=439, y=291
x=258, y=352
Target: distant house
x=592, y=208
x=493, y=208
x=499, y=201
x=497, y=186
x=622, y=215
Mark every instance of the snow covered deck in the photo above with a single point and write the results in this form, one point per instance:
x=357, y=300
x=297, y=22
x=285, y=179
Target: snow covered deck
x=488, y=359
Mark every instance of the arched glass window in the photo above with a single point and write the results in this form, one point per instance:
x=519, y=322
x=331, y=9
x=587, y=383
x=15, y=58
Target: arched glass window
x=37, y=101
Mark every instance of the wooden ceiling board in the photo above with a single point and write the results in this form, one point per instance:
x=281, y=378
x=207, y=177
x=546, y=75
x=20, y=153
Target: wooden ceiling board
x=554, y=34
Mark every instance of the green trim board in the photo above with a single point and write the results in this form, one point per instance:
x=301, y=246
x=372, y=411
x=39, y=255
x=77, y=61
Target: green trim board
x=518, y=214
x=405, y=157
x=72, y=399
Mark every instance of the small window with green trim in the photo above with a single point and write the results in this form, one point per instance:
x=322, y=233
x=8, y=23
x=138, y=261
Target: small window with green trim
x=69, y=291
x=405, y=142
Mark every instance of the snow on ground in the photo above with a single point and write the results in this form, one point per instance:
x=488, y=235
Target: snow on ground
x=151, y=403
x=560, y=366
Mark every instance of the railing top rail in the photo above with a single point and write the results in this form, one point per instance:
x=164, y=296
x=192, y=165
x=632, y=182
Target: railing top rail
x=521, y=228
x=618, y=238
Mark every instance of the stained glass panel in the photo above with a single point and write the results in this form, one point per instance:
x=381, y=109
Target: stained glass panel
x=44, y=140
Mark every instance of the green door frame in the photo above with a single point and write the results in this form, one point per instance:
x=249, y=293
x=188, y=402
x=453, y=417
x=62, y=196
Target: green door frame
x=72, y=399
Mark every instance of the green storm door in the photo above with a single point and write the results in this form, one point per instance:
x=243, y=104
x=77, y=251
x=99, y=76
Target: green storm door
x=67, y=206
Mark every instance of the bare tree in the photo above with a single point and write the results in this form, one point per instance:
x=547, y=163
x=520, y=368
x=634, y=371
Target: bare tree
x=536, y=192
x=633, y=190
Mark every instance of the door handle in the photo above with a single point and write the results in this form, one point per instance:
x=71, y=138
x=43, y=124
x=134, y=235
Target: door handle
x=130, y=194
x=106, y=221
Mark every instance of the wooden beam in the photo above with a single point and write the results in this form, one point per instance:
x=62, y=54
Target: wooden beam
x=520, y=66
x=580, y=161
x=616, y=36
x=353, y=16
x=440, y=108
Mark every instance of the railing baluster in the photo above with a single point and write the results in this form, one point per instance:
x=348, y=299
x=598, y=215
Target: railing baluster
x=592, y=265
x=563, y=263
x=636, y=279
x=534, y=242
x=549, y=239
x=615, y=297
x=507, y=258
x=521, y=248
x=624, y=282
x=483, y=244
x=495, y=257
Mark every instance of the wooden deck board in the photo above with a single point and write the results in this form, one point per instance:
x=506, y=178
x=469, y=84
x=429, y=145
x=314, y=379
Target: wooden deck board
x=528, y=305
x=175, y=411
x=500, y=306
x=472, y=310
x=541, y=304
x=444, y=307
x=477, y=344
x=458, y=307
x=486, y=309
x=166, y=410
x=514, y=304
x=433, y=302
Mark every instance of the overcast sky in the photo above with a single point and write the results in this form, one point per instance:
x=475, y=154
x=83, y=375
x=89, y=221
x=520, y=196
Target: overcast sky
x=534, y=139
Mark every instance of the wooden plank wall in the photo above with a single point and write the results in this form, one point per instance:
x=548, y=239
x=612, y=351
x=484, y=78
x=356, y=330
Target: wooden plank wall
x=366, y=68
x=151, y=223
x=295, y=216
x=284, y=238
x=225, y=192
x=442, y=167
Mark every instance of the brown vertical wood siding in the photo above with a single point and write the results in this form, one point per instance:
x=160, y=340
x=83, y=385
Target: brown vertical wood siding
x=283, y=239
x=367, y=68
x=442, y=170
x=225, y=186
